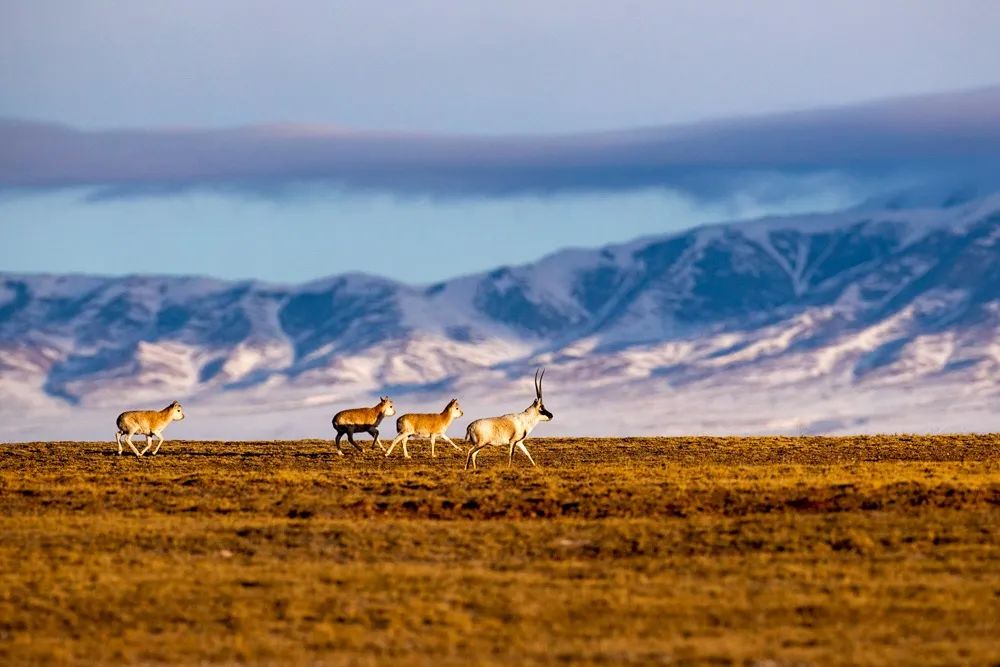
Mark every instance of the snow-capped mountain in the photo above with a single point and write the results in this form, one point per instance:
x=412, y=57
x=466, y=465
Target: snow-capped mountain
x=878, y=318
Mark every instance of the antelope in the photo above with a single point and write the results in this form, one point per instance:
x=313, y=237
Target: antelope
x=362, y=420
x=432, y=425
x=509, y=430
x=148, y=422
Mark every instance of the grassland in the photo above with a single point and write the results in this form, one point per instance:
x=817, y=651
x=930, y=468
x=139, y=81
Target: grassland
x=766, y=551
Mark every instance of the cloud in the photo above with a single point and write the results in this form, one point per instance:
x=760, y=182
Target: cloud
x=954, y=134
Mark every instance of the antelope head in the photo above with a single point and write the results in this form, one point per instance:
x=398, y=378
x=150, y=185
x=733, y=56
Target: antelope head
x=454, y=409
x=176, y=411
x=538, y=406
x=385, y=406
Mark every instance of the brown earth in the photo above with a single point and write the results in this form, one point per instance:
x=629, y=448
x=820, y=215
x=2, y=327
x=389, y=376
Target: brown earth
x=767, y=551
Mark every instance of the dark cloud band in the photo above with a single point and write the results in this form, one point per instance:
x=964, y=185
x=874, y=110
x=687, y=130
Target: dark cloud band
x=942, y=133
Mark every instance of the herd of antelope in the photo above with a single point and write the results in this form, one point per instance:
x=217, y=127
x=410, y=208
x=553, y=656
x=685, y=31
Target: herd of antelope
x=508, y=430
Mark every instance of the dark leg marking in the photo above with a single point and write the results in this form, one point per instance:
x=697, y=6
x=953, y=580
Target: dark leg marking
x=350, y=439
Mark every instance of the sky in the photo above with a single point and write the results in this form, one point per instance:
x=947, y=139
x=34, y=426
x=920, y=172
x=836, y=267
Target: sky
x=289, y=141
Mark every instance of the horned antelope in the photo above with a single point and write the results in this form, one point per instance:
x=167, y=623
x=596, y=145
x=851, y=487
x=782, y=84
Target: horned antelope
x=432, y=425
x=508, y=430
x=148, y=422
x=362, y=420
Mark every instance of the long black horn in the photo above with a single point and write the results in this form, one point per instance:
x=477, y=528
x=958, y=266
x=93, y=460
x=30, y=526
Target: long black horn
x=538, y=389
x=540, y=378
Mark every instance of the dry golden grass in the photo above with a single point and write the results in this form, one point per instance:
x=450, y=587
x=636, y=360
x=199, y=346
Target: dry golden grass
x=865, y=550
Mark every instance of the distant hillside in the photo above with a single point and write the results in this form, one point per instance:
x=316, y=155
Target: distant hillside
x=803, y=323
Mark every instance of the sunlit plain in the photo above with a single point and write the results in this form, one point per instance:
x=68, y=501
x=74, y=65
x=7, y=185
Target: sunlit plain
x=860, y=550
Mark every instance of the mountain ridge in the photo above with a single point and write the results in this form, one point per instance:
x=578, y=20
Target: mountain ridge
x=862, y=298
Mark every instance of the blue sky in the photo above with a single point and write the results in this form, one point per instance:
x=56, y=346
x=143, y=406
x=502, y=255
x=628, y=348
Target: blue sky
x=456, y=70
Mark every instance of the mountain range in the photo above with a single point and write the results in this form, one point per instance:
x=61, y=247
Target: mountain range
x=885, y=317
